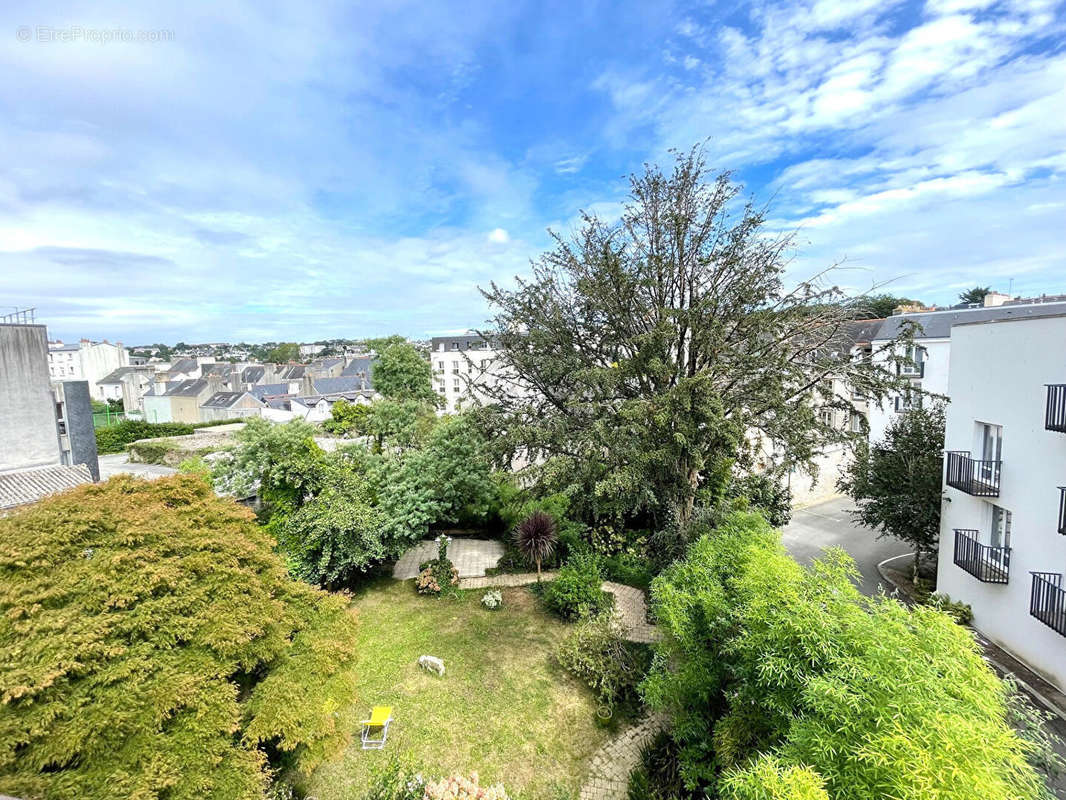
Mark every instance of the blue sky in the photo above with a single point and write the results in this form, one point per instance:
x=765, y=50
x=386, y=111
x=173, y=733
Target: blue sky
x=312, y=170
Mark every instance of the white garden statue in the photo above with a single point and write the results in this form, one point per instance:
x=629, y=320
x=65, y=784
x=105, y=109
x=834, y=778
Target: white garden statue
x=432, y=664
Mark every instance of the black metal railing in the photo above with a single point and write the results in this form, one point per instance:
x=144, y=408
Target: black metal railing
x=1048, y=600
x=1062, y=509
x=1055, y=418
x=986, y=563
x=979, y=478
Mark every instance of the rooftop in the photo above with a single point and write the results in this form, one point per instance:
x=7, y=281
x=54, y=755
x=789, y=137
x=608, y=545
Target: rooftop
x=30, y=485
x=937, y=324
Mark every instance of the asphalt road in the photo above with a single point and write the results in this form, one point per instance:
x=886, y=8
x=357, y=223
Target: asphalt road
x=828, y=524
x=116, y=463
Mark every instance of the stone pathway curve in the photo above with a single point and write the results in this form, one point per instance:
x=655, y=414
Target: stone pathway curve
x=608, y=777
x=628, y=600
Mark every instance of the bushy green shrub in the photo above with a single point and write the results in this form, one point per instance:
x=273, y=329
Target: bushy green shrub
x=764, y=494
x=632, y=570
x=152, y=645
x=657, y=775
x=762, y=656
x=770, y=779
x=396, y=779
x=576, y=592
x=597, y=653
x=114, y=438
x=151, y=451
x=438, y=576
x=956, y=609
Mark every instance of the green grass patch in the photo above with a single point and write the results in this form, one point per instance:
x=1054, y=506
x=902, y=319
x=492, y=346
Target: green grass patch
x=504, y=708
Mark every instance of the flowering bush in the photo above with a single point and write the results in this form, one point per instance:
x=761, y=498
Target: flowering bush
x=439, y=574
x=492, y=600
x=456, y=787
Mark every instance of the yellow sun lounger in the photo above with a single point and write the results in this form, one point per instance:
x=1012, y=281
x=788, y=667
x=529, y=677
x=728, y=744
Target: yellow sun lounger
x=379, y=721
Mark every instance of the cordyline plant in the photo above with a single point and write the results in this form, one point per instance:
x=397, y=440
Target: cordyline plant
x=535, y=538
x=645, y=356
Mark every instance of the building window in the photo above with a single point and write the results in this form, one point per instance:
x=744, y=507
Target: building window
x=855, y=423
x=1001, y=521
x=908, y=400
x=484, y=363
x=914, y=361
x=455, y=345
x=455, y=367
x=455, y=385
x=440, y=366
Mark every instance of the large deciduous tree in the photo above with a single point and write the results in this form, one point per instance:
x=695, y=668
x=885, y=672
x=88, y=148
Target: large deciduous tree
x=401, y=373
x=896, y=483
x=644, y=356
x=153, y=646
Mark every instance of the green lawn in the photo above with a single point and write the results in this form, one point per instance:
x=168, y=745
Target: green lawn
x=503, y=708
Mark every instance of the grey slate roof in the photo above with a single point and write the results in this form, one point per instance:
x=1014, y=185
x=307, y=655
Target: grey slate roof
x=222, y=369
x=187, y=388
x=268, y=389
x=351, y=383
x=30, y=485
x=117, y=375
x=253, y=374
x=359, y=364
x=291, y=372
x=937, y=324
x=183, y=365
x=222, y=399
x=468, y=341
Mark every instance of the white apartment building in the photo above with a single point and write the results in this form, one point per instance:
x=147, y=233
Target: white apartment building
x=88, y=361
x=462, y=367
x=1003, y=525
x=928, y=362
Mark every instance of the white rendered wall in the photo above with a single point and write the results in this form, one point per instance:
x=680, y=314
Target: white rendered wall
x=998, y=373
x=935, y=379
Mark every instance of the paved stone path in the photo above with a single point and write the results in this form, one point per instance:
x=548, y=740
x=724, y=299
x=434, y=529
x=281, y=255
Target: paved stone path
x=608, y=777
x=470, y=556
x=517, y=579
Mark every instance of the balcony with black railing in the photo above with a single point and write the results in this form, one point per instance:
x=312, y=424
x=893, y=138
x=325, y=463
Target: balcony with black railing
x=986, y=563
x=1047, y=602
x=979, y=478
x=1055, y=418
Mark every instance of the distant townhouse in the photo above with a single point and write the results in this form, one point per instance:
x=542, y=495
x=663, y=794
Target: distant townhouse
x=179, y=401
x=129, y=384
x=927, y=362
x=229, y=405
x=1003, y=524
x=47, y=442
x=87, y=361
x=463, y=368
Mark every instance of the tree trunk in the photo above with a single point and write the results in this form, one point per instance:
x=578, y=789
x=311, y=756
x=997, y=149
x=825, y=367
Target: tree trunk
x=689, y=503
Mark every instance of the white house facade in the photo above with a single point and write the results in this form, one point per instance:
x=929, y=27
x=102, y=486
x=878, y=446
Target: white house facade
x=1003, y=526
x=928, y=363
x=88, y=361
x=463, y=366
